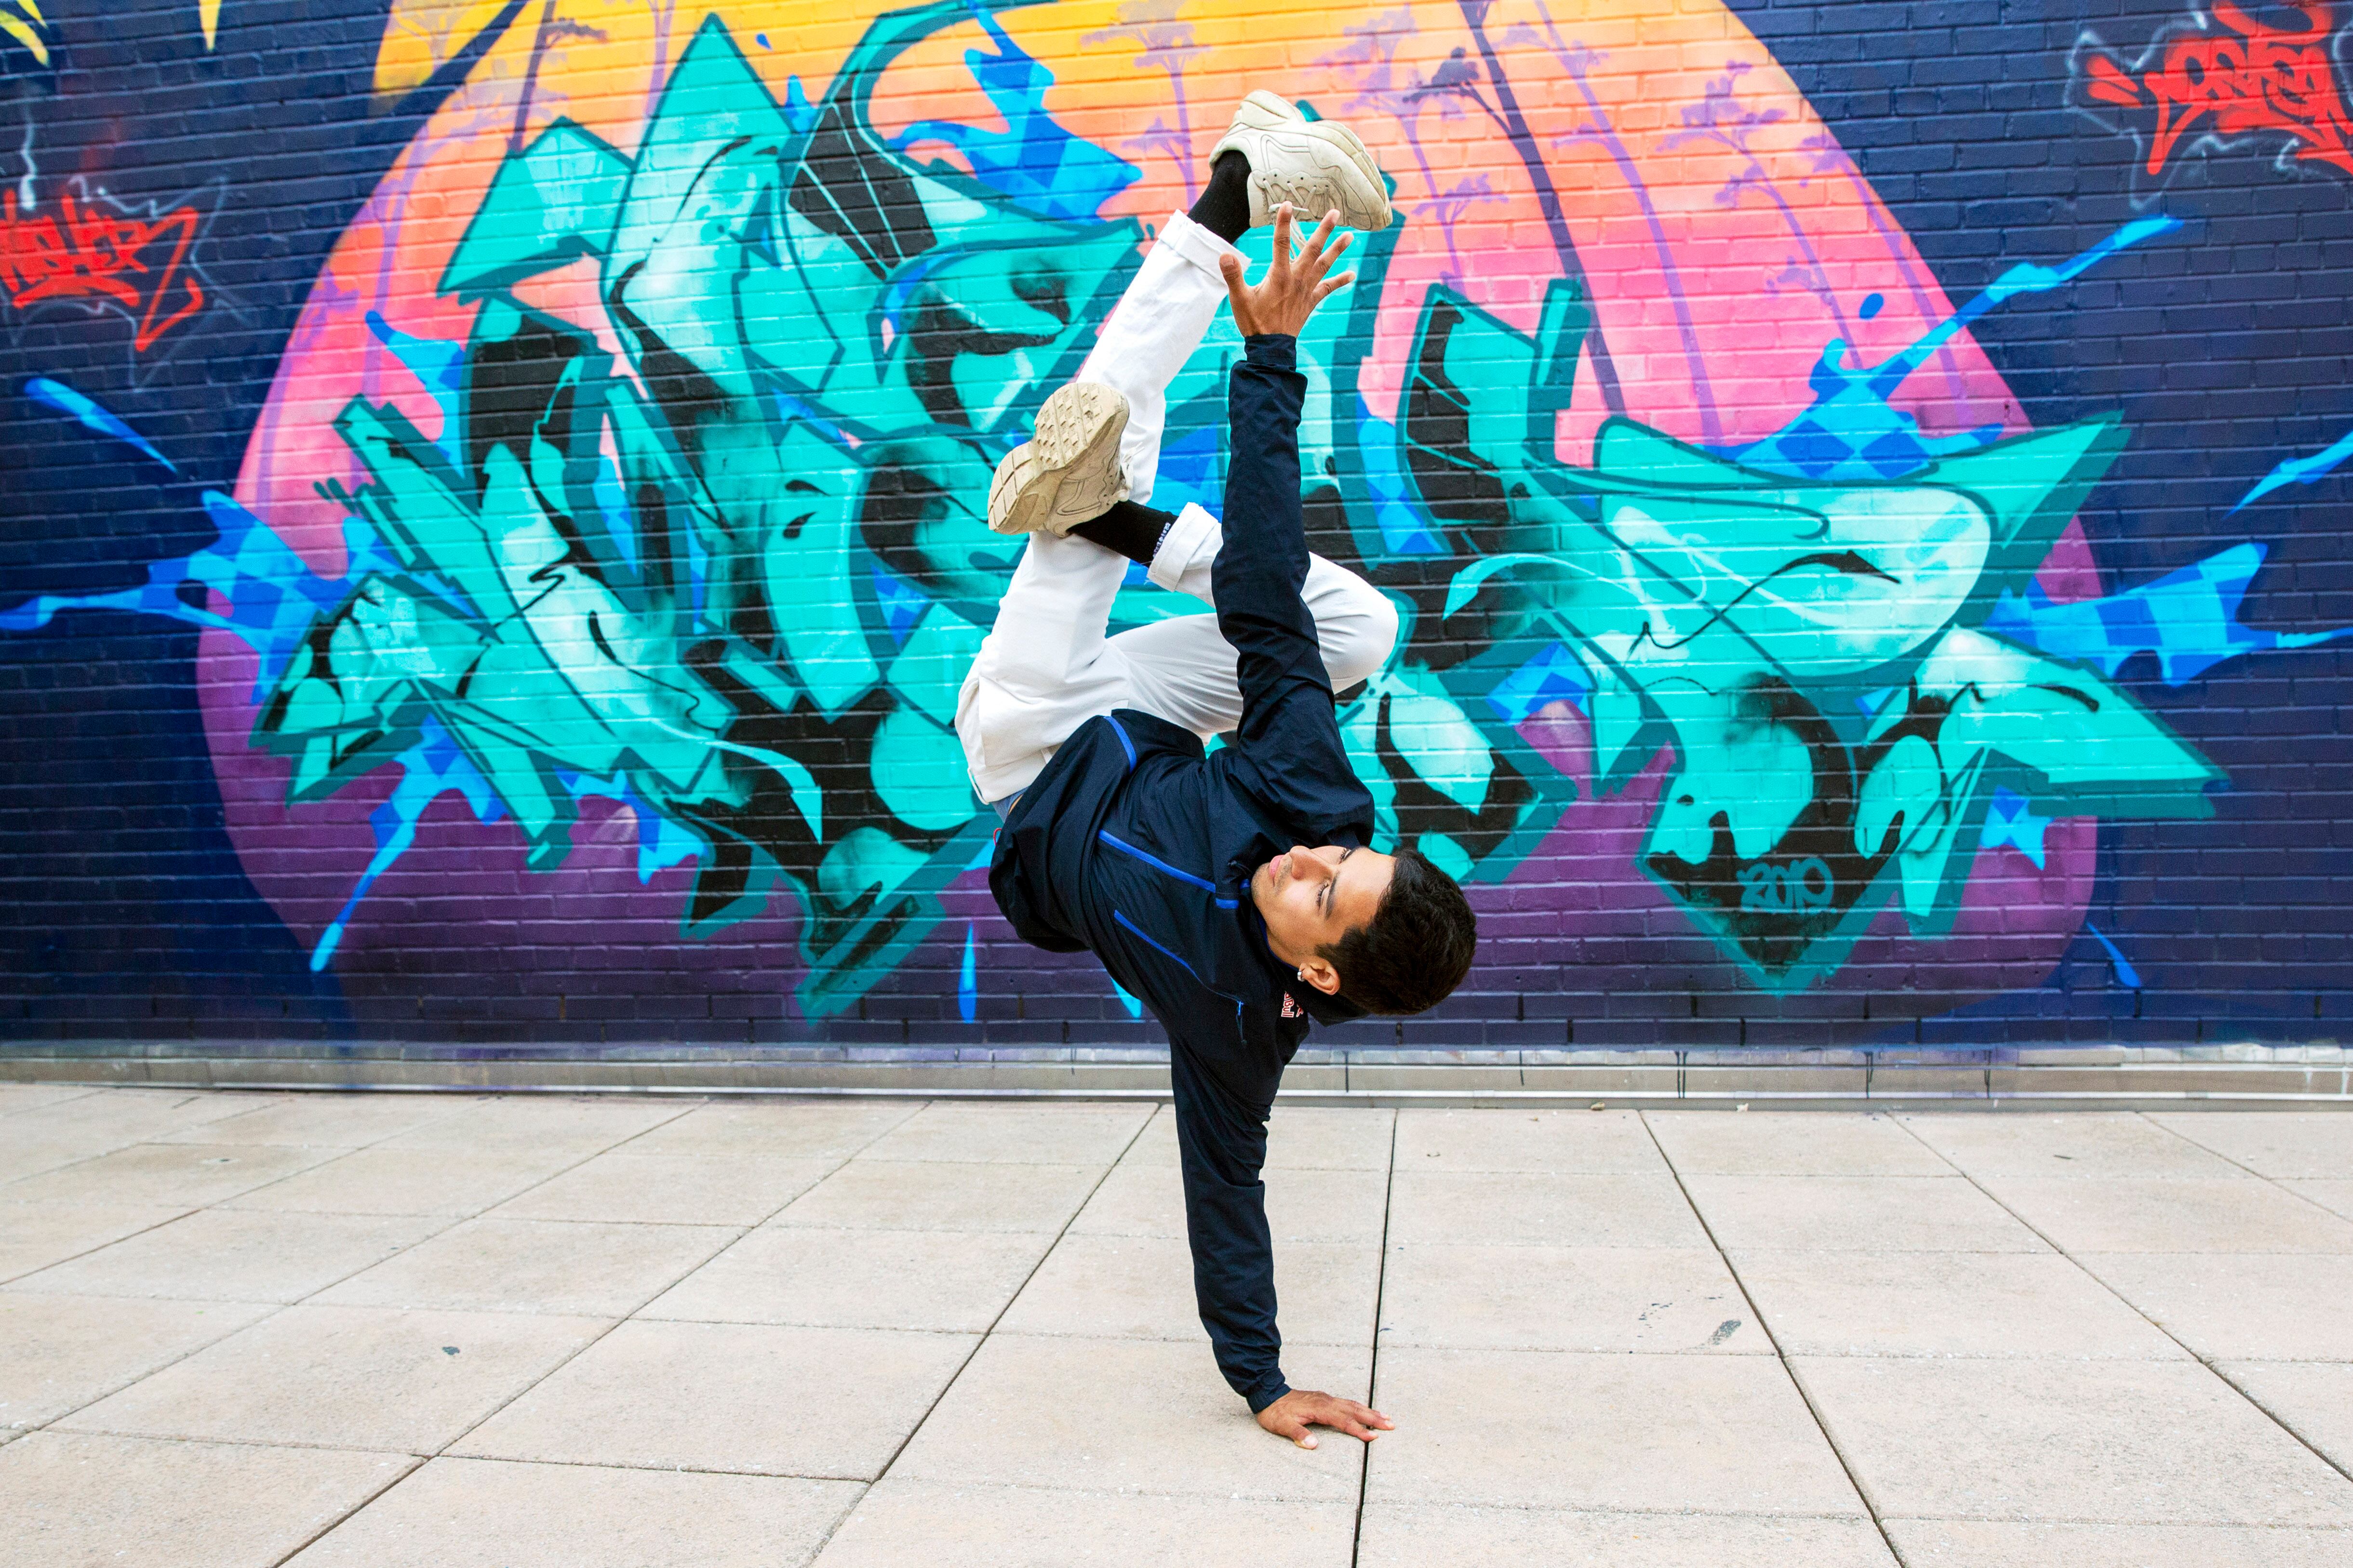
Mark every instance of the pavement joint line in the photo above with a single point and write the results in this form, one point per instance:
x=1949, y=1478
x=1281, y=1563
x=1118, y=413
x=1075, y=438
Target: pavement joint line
x=86, y=1251
x=1804, y=1394
x=982, y=1339
x=2133, y=1306
x=1373, y=1366
x=2277, y=1182
x=305, y=1545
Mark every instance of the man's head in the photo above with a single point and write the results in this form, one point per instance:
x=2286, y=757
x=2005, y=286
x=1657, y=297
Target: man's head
x=1390, y=933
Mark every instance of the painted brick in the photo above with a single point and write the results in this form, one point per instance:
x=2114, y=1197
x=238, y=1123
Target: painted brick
x=265, y=217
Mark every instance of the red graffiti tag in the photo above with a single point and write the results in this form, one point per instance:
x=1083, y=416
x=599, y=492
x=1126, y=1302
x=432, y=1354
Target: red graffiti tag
x=89, y=253
x=2244, y=78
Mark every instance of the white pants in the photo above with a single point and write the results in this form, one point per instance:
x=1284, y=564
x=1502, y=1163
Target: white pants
x=1046, y=666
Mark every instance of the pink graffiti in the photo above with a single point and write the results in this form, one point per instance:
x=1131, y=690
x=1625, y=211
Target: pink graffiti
x=2245, y=78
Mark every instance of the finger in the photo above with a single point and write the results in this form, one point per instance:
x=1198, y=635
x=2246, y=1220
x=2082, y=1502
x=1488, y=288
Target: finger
x=1283, y=236
x=1348, y=237
x=1316, y=258
x=1230, y=266
x=1331, y=285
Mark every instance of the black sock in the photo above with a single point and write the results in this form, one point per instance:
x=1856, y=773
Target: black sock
x=1224, y=207
x=1129, y=530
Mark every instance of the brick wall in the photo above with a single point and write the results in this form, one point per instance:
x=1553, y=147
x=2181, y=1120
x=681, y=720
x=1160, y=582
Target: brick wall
x=492, y=500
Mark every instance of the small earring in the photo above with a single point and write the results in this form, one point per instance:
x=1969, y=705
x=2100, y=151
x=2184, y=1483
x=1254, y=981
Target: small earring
x=1302, y=974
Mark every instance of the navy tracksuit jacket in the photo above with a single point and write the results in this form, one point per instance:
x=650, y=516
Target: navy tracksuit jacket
x=1132, y=844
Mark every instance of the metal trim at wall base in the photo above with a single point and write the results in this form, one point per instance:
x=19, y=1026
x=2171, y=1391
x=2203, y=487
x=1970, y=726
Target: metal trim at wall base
x=2221, y=1077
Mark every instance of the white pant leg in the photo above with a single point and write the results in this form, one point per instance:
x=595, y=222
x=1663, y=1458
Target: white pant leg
x=1045, y=667
x=1157, y=325
x=1183, y=669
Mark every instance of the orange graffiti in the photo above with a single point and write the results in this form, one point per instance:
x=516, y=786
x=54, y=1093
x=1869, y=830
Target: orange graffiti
x=88, y=253
x=2246, y=78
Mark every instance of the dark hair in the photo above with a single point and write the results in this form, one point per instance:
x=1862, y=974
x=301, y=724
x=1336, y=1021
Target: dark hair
x=1415, y=950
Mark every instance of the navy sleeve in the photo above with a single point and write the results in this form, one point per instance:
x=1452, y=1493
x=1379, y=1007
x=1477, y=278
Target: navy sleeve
x=1287, y=749
x=1222, y=1144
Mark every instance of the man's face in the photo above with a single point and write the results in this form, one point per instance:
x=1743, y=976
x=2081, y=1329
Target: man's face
x=1309, y=897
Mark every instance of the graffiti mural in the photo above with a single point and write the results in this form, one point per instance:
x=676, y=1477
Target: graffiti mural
x=2222, y=77
x=94, y=252
x=607, y=553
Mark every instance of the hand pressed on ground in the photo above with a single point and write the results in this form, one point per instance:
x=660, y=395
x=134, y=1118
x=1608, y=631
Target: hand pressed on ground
x=1280, y=301
x=1303, y=1409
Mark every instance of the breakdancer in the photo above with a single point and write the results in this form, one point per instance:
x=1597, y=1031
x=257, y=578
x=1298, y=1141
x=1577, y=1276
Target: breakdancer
x=1235, y=893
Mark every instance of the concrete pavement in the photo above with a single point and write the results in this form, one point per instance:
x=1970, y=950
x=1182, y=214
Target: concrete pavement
x=502, y=1333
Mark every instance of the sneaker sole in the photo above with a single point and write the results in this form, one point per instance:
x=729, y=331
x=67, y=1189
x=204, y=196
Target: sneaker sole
x=1069, y=471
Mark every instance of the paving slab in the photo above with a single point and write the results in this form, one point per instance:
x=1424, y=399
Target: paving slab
x=1021, y=1135
x=1663, y=1300
x=830, y=1403
x=1556, y=1142
x=2280, y=1143
x=186, y=1176
x=903, y=1521
x=1944, y=1304
x=1513, y=1208
x=345, y=1377
x=937, y=1194
x=1127, y=1415
x=16, y=1097
x=1298, y=1138
x=2312, y=1399
x=232, y=1255
x=1446, y=1536
x=29, y=1146
x=2119, y=1441
x=1141, y=1286
x=943, y=1280
x=1301, y=1204
x=321, y=1121
x=86, y=1125
x=1554, y=1429
x=35, y=1236
x=2277, y=1307
x=2236, y=1215
x=540, y=1124
x=1855, y=1214
x=670, y=1189
x=783, y=1128
x=496, y=1513
x=2082, y=1145
x=1999, y=1543
x=2335, y=1196
x=78, y=1500
x=564, y=1267
x=451, y=1184
x=59, y=1353
x=1792, y=1143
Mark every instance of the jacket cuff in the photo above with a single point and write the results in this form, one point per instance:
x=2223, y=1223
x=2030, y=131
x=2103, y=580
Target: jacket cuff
x=1273, y=1388
x=1275, y=350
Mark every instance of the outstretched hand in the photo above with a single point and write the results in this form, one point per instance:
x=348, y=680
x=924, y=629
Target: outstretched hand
x=1280, y=301
x=1293, y=1414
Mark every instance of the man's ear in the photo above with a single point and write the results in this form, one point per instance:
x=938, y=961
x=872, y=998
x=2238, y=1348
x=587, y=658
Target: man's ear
x=1319, y=972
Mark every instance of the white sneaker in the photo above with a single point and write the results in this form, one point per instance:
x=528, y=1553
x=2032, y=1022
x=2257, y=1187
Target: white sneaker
x=1316, y=166
x=1068, y=473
